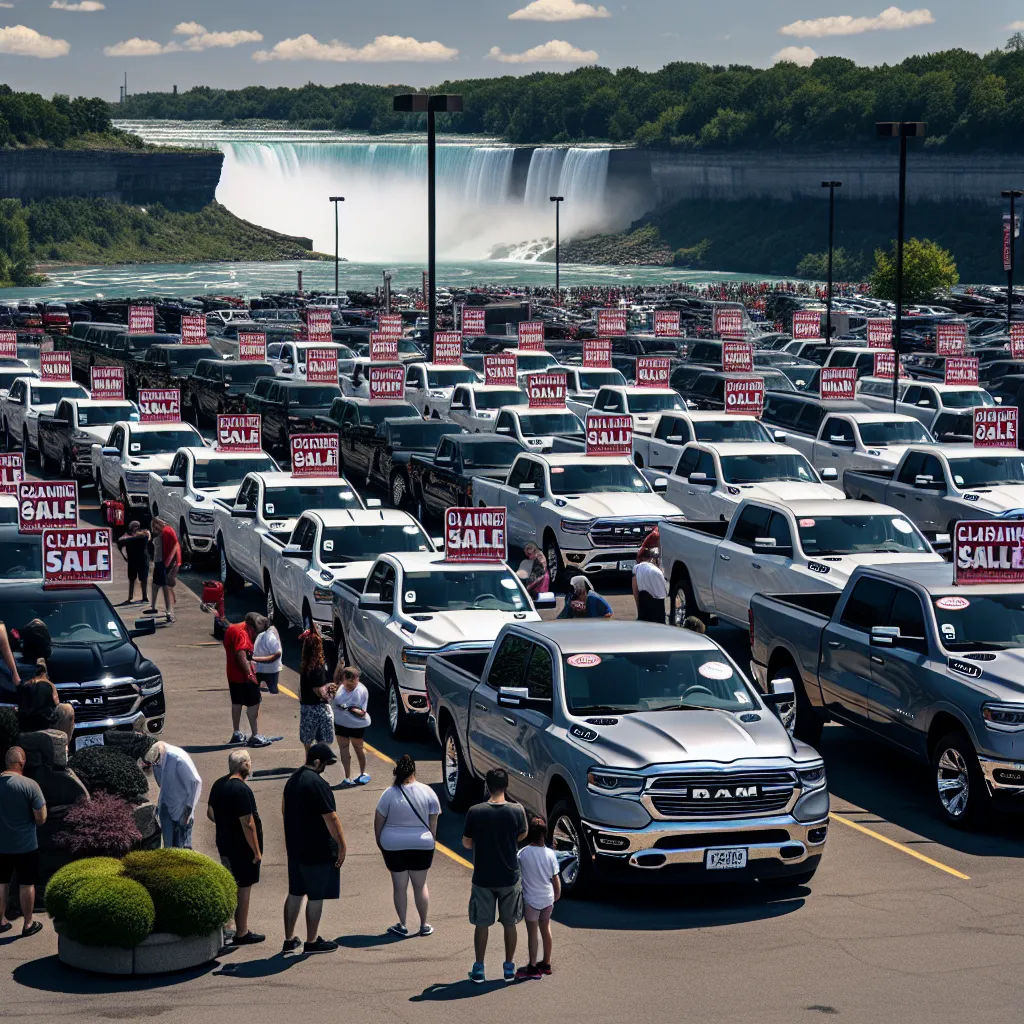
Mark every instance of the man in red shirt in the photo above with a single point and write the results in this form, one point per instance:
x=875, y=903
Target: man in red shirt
x=245, y=690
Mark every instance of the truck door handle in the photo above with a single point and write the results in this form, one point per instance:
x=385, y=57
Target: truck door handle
x=755, y=565
x=480, y=707
x=835, y=645
x=877, y=660
x=725, y=558
x=511, y=721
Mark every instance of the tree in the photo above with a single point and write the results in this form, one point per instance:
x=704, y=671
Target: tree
x=927, y=269
x=845, y=266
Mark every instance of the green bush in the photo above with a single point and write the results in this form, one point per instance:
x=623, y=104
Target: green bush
x=192, y=894
x=109, y=770
x=66, y=880
x=134, y=744
x=110, y=911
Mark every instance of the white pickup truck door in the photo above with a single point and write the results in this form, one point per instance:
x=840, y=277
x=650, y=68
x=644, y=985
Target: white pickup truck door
x=836, y=446
x=293, y=570
x=695, y=498
x=110, y=465
x=739, y=572
x=523, y=508
x=366, y=638
x=662, y=453
x=237, y=530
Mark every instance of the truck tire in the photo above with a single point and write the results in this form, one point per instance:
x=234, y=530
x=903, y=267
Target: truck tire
x=398, y=720
x=553, y=554
x=67, y=470
x=565, y=835
x=809, y=720
x=960, y=789
x=399, y=490
x=340, y=650
x=461, y=788
x=273, y=609
x=24, y=443
x=684, y=601
x=228, y=577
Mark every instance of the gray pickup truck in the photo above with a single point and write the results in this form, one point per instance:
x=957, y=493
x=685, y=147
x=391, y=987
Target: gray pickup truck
x=644, y=747
x=907, y=655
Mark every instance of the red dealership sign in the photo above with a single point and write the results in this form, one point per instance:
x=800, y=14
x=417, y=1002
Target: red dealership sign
x=531, y=335
x=47, y=505
x=314, y=454
x=474, y=320
x=12, y=471
x=995, y=428
x=1017, y=341
x=950, y=339
x=597, y=353
x=500, y=368
x=77, y=556
x=806, y=324
x=879, y=332
x=390, y=324
x=744, y=396
x=322, y=365
x=106, y=382
x=193, y=330
x=546, y=390
x=666, y=323
x=838, y=382
x=318, y=323
x=611, y=322
x=141, y=320
x=159, y=405
x=737, y=356
x=475, y=535
x=885, y=365
x=728, y=322
x=652, y=372
x=448, y=348
x=9, y=344
x=988, y=551
x=383, y=348
x=962, y=370
x=386, y=381
x=55, y=366
x=609, y=434
x=252, y=347
x=239, y=433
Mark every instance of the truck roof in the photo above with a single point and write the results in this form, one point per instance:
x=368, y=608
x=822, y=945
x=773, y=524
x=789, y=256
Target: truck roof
x=634, y=389
x=438, y=366
x=816, y=507
x=217, y=455
x=474, y=439
x=706, y=415
x=581, y=637
x=878, y=417
x=937, y=578
x=490, y=387
x=152, y=428
x=419, y=561
x=335, y=517
x=964, y=451
x=98, y=403
x=282, y=479
x=571, y=458
x=746, y=447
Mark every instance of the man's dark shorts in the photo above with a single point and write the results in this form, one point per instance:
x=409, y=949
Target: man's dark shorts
x=242, y=869
x=26, y=865
x=483, y=902
x=246, y=694
x=317, y=881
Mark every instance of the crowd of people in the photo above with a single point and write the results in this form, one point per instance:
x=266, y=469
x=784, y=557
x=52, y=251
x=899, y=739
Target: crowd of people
x=160, y=546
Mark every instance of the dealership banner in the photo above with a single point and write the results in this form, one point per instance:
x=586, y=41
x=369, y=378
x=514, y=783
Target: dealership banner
x=448, y=348
x=159, y=405
x=987, y=551
x=950, y=339
x=666, y=323
x=611, y=322
x=386, y=381
x=1017, y=341
x=597, y=353
x=12, y=471
x=9, y=344
x=737, y=357
x=252, y=346
x=546, y=390
x=500, y=368
x=239, y=433
x=193, y=330
x=55, y=366
x=531, y=335
x=609, y=434
x=879, y=332
x=652, y=372
x=806, y=324
x=962, y=371
x=885, y=365
x=995, y=427
x=141, y=320
x=728, y=322
x=106, y=382
x=79, y=556
x=322, y=365
x=314, y=454
x=744, y=396
x=390, y=323
x=474, y=320
x=475, y=535
x=838, y=382
x=318, y=324
x=383, y=348
x=47, y=505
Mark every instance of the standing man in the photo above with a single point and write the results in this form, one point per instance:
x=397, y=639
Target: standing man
x=166, y=563
x=493, y=831
x=180, y=786
x=232, y=808
x=316, y=849
x=242, y=681
x=22, y=810
x=650, y=588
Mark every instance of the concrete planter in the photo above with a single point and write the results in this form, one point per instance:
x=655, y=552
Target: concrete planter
x=158, y=953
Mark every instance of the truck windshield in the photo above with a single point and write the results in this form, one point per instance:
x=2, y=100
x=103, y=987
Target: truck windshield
x=371, y=415
x=460, y=590
x=602, y=477
x=534, y=361
x=246, y=373
x=21, y=557
x=490, y=456
x=653, y=681
x=423, y=435
x=732, y=429
x=987, y=470
x=103, y=415
x=314, y=397
x=365, y=543
x=894, y=432
x=594, y=380
x=966, y=398
x=228, y=472
x=291, y=502
x=189, y=355
x=449, y=378
x=496, y=399
x=160, y=442
x=562, y=423
x=52, y=394
x=72, y=619
x=980, y=621
x=752, y=469
x=654, y=402
x=858, y=535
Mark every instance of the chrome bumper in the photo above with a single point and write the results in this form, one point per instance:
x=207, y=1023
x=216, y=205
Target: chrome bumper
x=593, y=560
x=1003, y=776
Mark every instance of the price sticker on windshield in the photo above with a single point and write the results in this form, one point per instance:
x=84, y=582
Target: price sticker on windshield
x=76, y=557
x=383, y=347
x=159, y=405
x=611, y=322
x=239, y=433
x=666, y=323
x=475, y=535
x=322, y=366
x=988, y=551
x=806, y=324
x=737, y=357
x=728, y=322
x=318, y=323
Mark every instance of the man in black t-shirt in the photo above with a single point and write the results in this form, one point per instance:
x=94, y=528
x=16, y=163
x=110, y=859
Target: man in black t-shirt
x=232, y=808
x=493, y=831
x=316, y=849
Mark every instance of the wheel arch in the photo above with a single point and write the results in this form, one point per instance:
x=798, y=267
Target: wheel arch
x=946, y=720
x=559, y=788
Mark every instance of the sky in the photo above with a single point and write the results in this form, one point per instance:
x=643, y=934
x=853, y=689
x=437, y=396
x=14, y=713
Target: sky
x=86, y=46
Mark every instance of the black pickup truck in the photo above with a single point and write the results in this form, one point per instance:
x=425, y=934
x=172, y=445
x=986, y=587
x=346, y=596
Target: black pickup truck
x=445, y=478
x=166, y=366
x=108, y=345
x=219, y=386
x=394, y=444
x=289, y=407
x=355, y=421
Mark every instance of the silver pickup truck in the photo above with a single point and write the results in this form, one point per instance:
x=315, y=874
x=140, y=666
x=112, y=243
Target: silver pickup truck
x=905, y=654
x=643, y=746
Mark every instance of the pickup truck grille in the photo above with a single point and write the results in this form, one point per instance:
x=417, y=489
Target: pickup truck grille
x=94, y=701
x=713, y=794
x=620, y=533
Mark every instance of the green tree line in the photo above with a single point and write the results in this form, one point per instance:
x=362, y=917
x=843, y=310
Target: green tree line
x=27, y=119
x=970, y=102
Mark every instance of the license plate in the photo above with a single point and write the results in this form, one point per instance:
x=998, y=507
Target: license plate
x=626, y=565
x=726, y=860
x=95, y=740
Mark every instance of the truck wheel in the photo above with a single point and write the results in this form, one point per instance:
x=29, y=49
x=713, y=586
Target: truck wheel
x=461, y=788
x=398, y=720
x=273, y=611
x=188, y=555
x=24, y=442
x=808, y=721
x=964, y=800
x=399, y=490
x=553, y=554
x=228, y=577
x=684, y=602
x=66, y=469
x=565, y=835
x=339, y=644
x=122, y=496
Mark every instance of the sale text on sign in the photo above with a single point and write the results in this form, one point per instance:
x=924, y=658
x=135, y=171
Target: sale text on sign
x=744, y=396
x=838, y=382
x=995, y=428
x=597, y=353
x=885, y=365
x=475, y=535
x=314, y=454
x=383, y=348
x=47, y=505
x=806, y=324
x=611, y=322
x=252, y=346
x=950, y=339
x=239, y=433
x=322, y=365
x=879, y=332
x=390, y=323
x=12, y=471
x=9, y=344
x=1017, y=341
x=652, y=372
x=77, y=556
x=106, y=382
x=500, y=368
x=666, y=323
x=988, y=551
x=531, y=335
x=737, y=357
x=546, y=390
x=141, y=320
x=55, y=366
x=318, y=323
x=609, y=434
x=728, y=322
x=193, y=330
x=159, y=405
x=962, y=371
x=386, y=381
x=474, y=320
x=447, y=348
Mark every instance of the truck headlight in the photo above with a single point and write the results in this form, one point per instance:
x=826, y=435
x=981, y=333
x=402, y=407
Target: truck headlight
x=150, y=684
x=812, y=778
x=414, y=657
x=612, y=782
x=198, y=518
x=576, y=525
x=1003, y=717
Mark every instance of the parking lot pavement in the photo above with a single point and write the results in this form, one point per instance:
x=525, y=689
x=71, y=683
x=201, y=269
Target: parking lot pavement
x=878, y=935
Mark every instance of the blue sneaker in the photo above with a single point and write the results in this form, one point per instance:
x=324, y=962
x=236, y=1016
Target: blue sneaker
x=510, y=970
x=363, y=779
x=477, y=974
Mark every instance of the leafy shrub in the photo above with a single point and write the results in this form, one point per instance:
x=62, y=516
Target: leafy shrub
x=134, y=744
x=110, y=911
x=103, y=826
x=192, y=894
x=66, y=880
x=109, y=770
x=8, y=729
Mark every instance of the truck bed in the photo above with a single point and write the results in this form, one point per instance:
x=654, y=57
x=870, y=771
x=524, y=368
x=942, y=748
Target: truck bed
x=870, y=474
x=710, y=528
x=819, y=604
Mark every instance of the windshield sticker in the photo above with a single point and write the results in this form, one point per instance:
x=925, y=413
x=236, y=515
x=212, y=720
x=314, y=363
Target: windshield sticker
x=557, y=469
x=583, y=660
x=411, y=530
x=958, y=480
x=135, y=446
x=715, y=670
x=328, y=545
x=948, y=631
x=509, y=584
x=902, y=525
x=952, y=604
x=741, y=697
x=410, y=597
x=269, y=506
x=806, y=524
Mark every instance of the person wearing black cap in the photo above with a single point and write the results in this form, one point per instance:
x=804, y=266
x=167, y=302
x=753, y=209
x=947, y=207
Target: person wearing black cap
x=316, y=849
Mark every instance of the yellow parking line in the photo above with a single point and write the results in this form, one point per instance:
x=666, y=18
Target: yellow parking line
x=899, y=846
x=287, y=692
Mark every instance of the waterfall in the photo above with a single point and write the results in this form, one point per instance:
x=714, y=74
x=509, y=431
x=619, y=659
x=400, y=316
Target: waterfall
x=584, y=175
x=580, y=176
x=543, y=176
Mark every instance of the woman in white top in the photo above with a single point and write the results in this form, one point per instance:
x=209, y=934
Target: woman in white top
x=406, y=826
x=266, y=655
x=350, y=721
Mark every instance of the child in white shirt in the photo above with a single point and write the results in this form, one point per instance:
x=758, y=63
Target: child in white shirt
x=542, y=886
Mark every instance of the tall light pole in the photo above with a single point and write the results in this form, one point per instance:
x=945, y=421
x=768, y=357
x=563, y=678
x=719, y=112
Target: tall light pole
x=419, y=103
x=831, y=186
x=902, y=130
x=558, y=200
x=336, y=200
x=1013, y=195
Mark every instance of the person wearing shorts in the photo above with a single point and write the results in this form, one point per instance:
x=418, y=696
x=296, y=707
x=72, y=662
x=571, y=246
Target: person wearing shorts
x=316, y=722
x=266, y=655
x=542, y=886
x=134, y=547
x=493, y=831
x=166, y=563
x=242, y=684
x=350, y=721
x=22, y=811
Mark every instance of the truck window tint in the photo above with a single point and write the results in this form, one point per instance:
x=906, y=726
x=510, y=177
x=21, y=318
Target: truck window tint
x=868, y=605
x=687, y=462
x=706, y=465
x=779, y=531
x=907, y=613
x=509, y=664
x=837, y=431
x=781, y=411
x=520, y=473
x=933, y=468
x=753, y=522
x=911, y=468
x=538, y=675
x=809, y=420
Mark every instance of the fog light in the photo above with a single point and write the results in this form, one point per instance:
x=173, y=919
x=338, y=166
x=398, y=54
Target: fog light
x=611, y=842
x=418, y=701
x=790, y=852
x=817, y=835
x=155, y=724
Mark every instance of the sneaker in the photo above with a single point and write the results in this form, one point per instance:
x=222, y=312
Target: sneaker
x=320, y=946
x=259, y=741
x=510, y=970
x=544, y=967
x=363, y=779
x=477, y=974
x=347, y=784
x=400, y=930
x=248, y=939
x=291, y=945
x=527, y=971
x=427, y=929
x=236, y=737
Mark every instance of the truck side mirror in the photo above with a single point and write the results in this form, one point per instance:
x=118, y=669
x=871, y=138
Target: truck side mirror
x=922, y=480
x=768, y=546
x=143, y=627
x=111, y=452
x=782, y=700
x=503, y=430
x=884, y=636
x=371, y=602
x=512, y=696
x=698, y=478
x=660, y=485
x=173, y=481
x=780, y=436
x=528, y=487
x=674, y=438
x=544, y=600
x=830, y=473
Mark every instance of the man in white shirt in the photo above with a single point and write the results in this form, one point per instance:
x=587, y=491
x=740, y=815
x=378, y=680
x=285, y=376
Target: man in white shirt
x=649, y=588
x=180, y=786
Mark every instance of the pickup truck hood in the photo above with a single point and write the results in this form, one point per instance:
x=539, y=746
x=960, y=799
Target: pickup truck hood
x=1001, y=678
x=840, y=567
x=672, y=737
x=96, y=435
x=997, y=499
x=151, y=463
x=789, y=490
x=888, y=454
x=435, y=629
x=219, y=493
x=601, y=505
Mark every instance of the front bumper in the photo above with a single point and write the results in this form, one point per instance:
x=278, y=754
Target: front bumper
x=595, y=560
x=1003, y=778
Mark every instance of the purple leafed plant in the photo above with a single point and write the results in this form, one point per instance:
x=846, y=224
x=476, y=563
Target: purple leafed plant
x=101, y=827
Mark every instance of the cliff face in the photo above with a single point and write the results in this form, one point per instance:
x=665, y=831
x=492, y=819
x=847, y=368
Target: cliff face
x=180, y=181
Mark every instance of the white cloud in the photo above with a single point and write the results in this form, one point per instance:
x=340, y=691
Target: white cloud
x=891, y=19
x=134, y=47
x=196, y=38
x=83, y=5
x=383, y=48
x=802, y=55
x=1014, y=26
x=557, y=51
x=7, y=5
x=23, y=41
x=558, y=10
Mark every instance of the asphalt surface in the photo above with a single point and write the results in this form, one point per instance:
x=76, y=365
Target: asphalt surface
x=906, y=919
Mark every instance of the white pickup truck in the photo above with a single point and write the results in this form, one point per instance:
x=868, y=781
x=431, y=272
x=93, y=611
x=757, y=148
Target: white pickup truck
x=325, y=548
x=476, y=406
x=643, y=404
x=582, y=383
x=714, y=568
x=121, y=466
x=416, y=604
x=269, y=503
x=27, y=400
x=184, y=496
x=542, y=430
x=672, y=431
x=429, y=386
x=289, y=357
x=589, y=513
x=710, y=480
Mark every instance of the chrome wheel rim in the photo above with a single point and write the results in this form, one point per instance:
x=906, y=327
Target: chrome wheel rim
x=451, y=766
x=565, y=839
x=270, y=603
x=393, y=708
x=223, y=566
x=953, y=781
x=678, y=606
x=397, y=492
x=551, y=554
